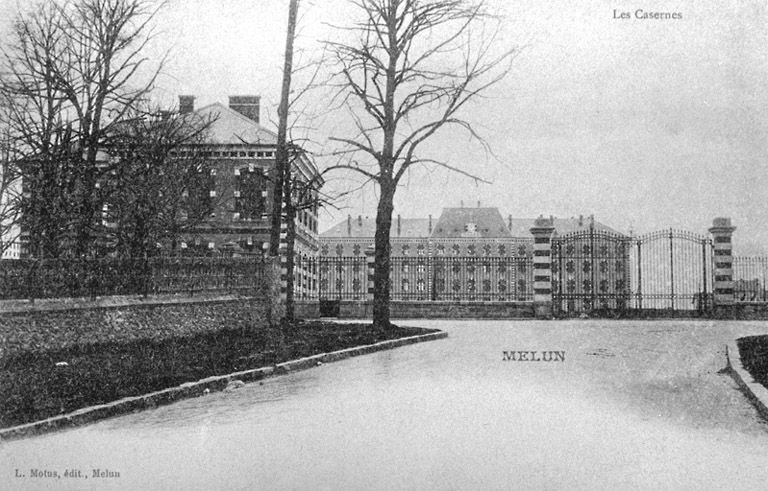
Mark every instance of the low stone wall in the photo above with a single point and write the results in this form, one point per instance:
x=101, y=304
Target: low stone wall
x=441, y=310
x=742, y=311
x=61, y=323
x=307, y=309
x=131, y=320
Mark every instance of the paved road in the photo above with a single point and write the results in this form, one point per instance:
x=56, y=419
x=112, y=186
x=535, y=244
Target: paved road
x=635, y=405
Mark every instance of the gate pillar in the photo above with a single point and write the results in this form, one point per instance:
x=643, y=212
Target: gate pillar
x=369, y=263
x=542, y=266
x=722, y=232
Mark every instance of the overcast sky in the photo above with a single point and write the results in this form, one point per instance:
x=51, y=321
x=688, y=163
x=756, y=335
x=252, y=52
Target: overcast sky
x=646, y=124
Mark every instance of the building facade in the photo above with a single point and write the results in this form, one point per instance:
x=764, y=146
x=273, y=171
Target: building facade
x=240, y=154
x=467, y=253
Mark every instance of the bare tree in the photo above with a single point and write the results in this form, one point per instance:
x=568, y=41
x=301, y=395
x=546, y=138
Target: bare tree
x=411, y=68
x=158, y=182
x=10, y=196
x=70, y=74
x=282, y=159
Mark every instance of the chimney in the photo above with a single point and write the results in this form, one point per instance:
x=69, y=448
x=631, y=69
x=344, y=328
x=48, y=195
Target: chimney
x=398, y=225
x=359, y=220
x=509, y=222
x=478, y=203
x=247, y=105
x=581, y=220
x=462, y=203
x=186, y=104
x=429, y=230
x=349, y=225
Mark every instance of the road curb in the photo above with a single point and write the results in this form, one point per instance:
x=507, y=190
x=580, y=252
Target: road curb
x=755, y=392
x=201, y=387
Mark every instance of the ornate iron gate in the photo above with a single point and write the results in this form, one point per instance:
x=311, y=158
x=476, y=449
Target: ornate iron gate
x=590, y=271
x=599, y=271
x=673, y=271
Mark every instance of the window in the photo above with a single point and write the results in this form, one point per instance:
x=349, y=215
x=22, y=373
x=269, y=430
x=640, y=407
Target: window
x=249, y=195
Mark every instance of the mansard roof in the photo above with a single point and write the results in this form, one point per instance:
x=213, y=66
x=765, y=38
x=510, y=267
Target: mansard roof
x=521, y=227
x=487, y=223
x=470, y=222
x=232, y=128
x=365, y=227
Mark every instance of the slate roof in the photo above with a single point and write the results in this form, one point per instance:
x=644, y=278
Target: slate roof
x=488, y=223
x=232, y=128
x=366, y=227
x=521, y=227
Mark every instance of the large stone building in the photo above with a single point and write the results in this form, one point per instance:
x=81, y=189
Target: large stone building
x=467, y=253
x=241, y=154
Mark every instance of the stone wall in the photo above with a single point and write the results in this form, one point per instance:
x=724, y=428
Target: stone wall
x=52, y=329
x=441, y=310
x=61, y=323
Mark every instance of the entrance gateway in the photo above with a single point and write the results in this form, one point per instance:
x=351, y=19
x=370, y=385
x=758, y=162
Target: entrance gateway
x=609, y=272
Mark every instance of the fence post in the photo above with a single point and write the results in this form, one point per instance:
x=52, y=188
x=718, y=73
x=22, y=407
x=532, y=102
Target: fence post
x=542, y=266
x=283, y=255
x=722, y=232
x=370, y=253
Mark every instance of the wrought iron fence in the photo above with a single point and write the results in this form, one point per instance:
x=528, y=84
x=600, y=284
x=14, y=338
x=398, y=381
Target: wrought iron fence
x=342, y=278
x=749, y=277
x=664, y=270
x=429, y=278
x=72, y=278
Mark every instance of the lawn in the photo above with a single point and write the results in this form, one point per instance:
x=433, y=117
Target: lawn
x=38, y=385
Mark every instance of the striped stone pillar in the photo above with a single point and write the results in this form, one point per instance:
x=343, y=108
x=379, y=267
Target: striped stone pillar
x=283, y=253
x=369, y=260
x=542, y=266
x=722, y=232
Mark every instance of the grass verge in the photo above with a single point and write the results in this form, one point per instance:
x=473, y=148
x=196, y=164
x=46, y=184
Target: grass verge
x=38, y=385
x=754, y=357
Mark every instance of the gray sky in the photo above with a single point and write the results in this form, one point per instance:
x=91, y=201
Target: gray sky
x=645, y=123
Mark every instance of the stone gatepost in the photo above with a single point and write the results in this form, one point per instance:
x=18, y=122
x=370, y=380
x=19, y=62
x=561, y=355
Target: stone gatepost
x=369, y=261
x=283, y=254
x=542, y=267
x=722, y=232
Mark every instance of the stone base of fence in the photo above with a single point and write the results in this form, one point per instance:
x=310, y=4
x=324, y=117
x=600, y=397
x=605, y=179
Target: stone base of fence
x=742, y=311
x=67, y=325
x=307, y=309
x=543, y=310
x=441, y=310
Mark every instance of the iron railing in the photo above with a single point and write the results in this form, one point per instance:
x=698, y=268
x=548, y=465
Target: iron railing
x=429, y=278
x=74, y=278
x=664, y=270
x=749, y=278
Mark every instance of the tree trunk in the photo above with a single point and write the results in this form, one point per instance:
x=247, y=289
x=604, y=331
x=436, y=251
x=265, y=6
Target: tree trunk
x=381, y=277
x=282, y=166
x=290, y=238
